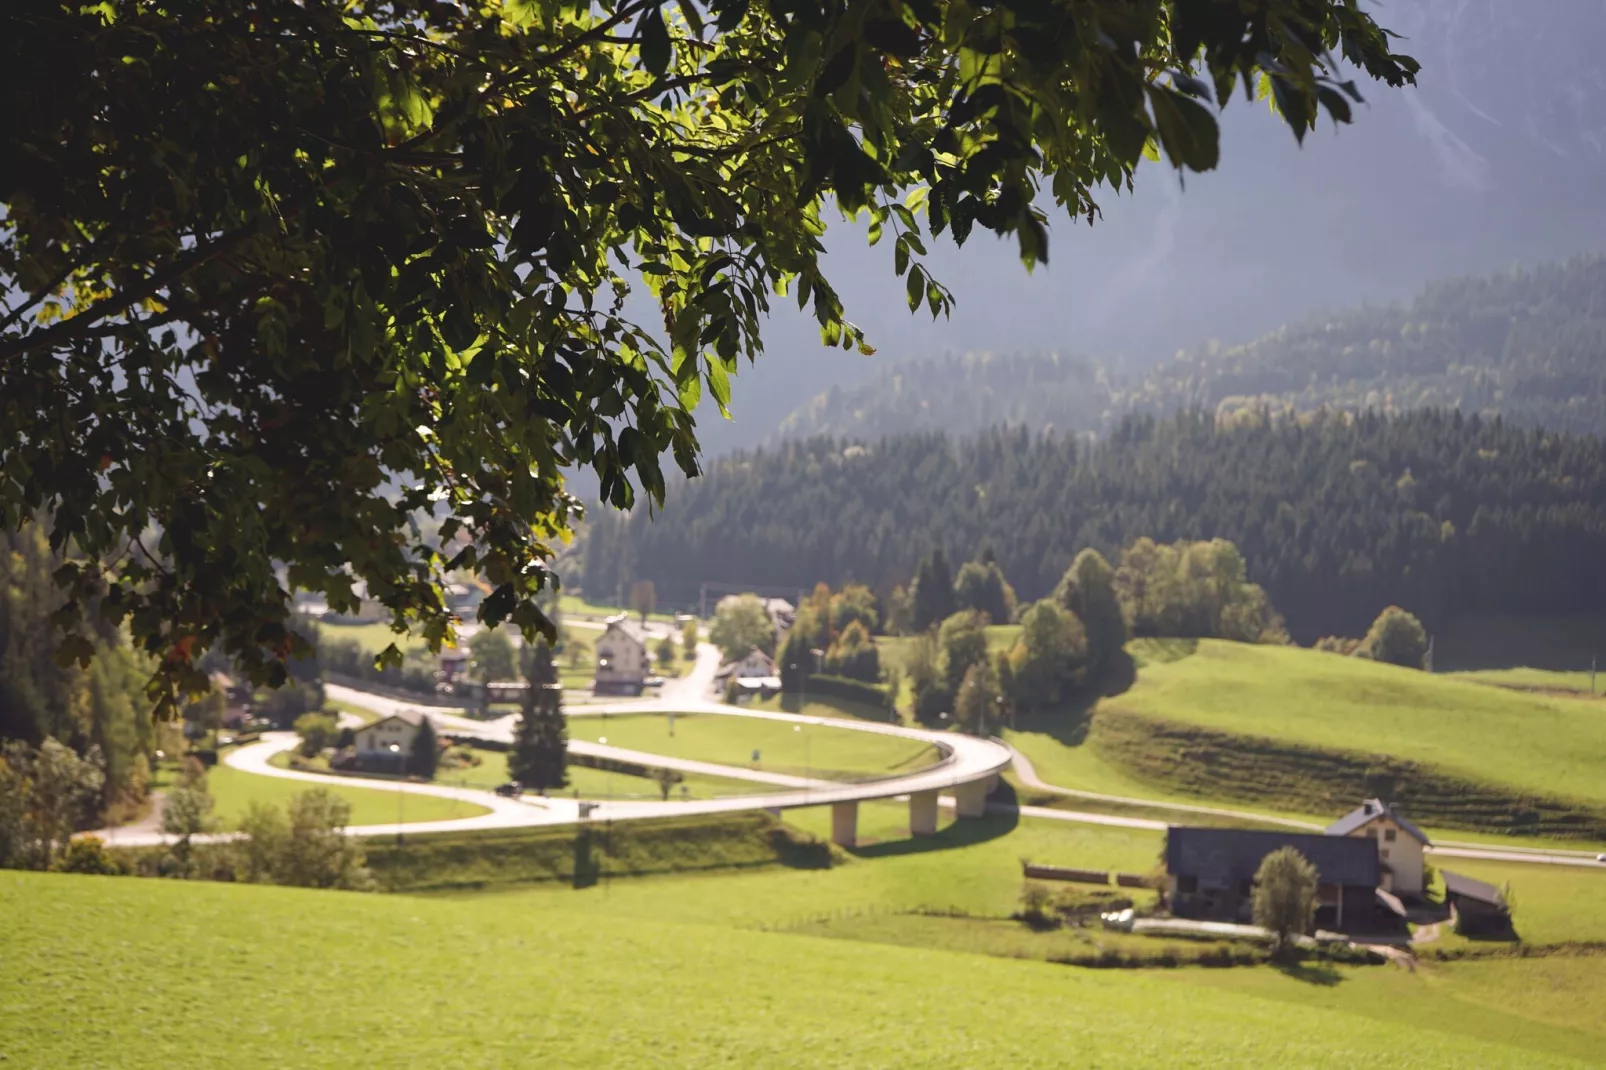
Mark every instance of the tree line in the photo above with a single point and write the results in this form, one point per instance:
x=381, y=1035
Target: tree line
x=1336, y=515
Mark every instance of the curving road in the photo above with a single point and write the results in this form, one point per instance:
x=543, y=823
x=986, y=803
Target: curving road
x=968, y=769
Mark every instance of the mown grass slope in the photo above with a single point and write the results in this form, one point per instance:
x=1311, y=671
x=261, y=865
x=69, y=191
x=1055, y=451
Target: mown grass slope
x=134, y=973
x=1337, y=703
x=1302, y=732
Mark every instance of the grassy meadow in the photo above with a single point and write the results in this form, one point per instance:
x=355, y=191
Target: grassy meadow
x=235, y=791
x=829, y=753
x=658, y=972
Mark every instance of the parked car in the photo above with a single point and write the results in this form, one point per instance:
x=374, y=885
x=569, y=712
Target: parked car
x=1601, y=859
x=653, y=681
x=512, y=789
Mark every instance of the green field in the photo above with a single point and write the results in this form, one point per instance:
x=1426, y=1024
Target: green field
x=832, y=753
x=178, y=969
x=235, y=791
x=1571, y=683
x=1531, y=743
x=598, y=783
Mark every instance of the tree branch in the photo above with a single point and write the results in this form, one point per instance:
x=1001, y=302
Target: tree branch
x=84, y=324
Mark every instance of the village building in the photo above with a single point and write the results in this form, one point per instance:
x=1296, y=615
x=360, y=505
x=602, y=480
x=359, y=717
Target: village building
x=782, y=614
x=622, y=660
x=754, y=673
x=1399, y=845
x=387, y=744
x=1479, y=909
x=1211, y=875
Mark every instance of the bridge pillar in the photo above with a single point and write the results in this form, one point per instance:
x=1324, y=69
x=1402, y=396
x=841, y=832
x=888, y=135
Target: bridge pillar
x=971, y=798
x=922, y=813
x=845, y=824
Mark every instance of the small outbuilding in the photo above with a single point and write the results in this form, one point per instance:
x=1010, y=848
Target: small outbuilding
x=1479, y=909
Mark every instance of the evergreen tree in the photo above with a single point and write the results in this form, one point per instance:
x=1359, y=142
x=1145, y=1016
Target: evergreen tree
x=538, y=667
x=540, y=755
x=933, y=593
x=981, y=586
x=425, y=753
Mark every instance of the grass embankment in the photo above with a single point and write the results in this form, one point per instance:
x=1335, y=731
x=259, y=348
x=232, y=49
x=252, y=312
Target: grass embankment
x=235, y=791
x=353, y=977
x=1303, y=732
x=828, y=753
x=580, y=856
x=372, y=637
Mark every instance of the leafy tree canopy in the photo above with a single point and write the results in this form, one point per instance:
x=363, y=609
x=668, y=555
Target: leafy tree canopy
x=282, y=277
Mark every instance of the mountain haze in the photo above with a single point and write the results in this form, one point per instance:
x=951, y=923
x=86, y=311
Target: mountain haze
x=1529, y=346
x=1494, y=161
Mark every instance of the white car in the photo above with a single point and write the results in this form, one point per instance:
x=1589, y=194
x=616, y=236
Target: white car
x=1601, y=859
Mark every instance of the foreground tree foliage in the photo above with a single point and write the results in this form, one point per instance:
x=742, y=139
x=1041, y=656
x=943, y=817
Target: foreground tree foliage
x=282, y=277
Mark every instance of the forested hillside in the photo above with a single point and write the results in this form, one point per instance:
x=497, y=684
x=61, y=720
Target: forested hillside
x=1338, y=516
x=1529, y=346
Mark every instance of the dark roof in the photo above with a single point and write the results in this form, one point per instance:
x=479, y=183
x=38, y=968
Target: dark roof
x=1467, y=888
x=1226, y=857
x=1369, y=811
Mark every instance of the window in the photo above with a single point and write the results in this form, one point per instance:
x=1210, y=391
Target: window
x=1389, y=835
x=1385, y=852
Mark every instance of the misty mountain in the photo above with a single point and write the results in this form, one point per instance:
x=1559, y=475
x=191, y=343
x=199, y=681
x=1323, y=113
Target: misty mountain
x=1526, y=345
x=1494, y=160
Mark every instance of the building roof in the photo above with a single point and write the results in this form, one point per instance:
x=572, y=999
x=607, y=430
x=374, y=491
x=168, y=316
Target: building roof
x=412, y=717
x=765, y=660
x=1370, y=811
x=1467, y=888
x=1226, y=857
x=623, y=624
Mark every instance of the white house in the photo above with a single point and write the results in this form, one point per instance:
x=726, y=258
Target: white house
x=753, y=672
x=1399, y=844
x=622, y=661
x=382, y=745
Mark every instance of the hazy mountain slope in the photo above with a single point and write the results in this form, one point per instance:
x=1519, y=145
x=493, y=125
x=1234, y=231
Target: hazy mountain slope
x=1495, y=160
x=1527, y=345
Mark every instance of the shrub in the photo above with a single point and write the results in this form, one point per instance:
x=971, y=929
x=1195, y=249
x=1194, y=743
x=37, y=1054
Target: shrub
x=88, y=854
x=1396, y=638
x=317, y=731
x=1037, y=906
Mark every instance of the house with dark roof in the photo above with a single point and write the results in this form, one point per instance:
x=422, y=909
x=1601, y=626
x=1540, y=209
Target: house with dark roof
x=1477, y=908
x=1211, y=875
x=1399, y=844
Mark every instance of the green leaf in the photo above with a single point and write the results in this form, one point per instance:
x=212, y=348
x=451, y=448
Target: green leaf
x=915, y=287
x=1187, y=130
x=719, y=384
x=654, y=36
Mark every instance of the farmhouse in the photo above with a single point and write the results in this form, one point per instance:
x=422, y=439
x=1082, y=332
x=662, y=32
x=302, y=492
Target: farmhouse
x=622, y=661
x=1399, y=844
x=1478, y=908
x=1211, y=875
x=754, y=671
x=384, y=745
